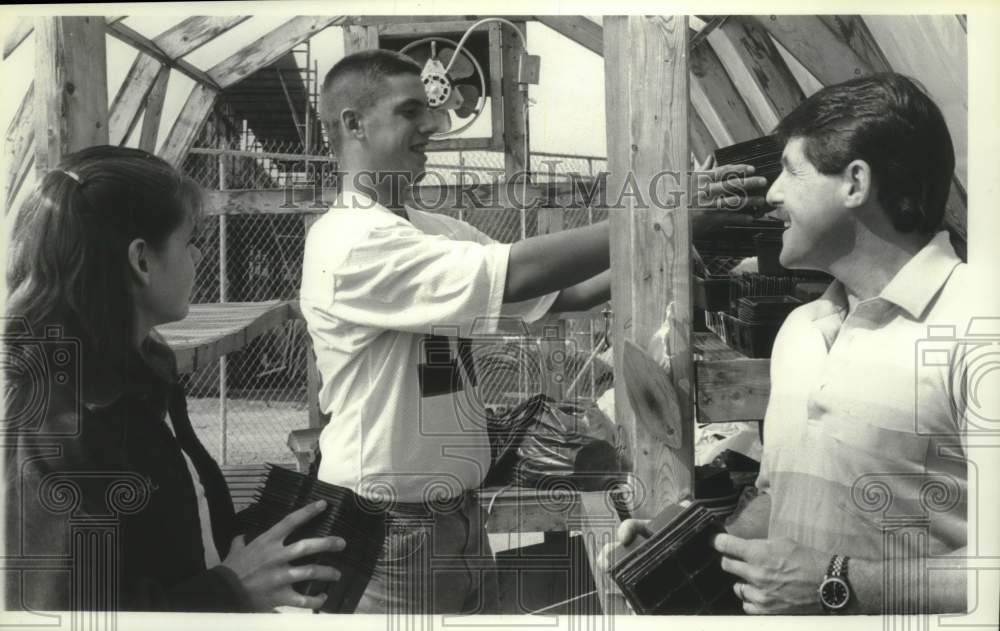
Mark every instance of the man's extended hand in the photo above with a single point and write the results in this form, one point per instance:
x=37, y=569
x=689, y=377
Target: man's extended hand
x=627, y=531
x=727, y=187
x=775, y=575
x=716, y=190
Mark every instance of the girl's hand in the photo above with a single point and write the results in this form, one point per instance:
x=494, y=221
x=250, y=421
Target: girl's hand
x=264, y=566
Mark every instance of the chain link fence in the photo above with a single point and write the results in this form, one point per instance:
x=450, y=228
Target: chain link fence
x=246, y=417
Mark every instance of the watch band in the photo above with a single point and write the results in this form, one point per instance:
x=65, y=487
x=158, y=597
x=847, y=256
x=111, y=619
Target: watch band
x=838, y=566
x=836, y=572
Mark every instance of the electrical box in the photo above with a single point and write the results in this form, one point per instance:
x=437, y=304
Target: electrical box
x=528, y=68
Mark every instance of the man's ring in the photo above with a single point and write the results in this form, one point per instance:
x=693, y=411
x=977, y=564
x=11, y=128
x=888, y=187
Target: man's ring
x=739, y=590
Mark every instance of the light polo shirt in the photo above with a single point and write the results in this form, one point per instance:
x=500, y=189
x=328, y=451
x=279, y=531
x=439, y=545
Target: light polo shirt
x=863, y=431
x=386, y=301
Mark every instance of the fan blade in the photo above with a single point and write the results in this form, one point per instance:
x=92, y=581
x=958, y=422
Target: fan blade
x=443, y=120
x=463, y=67
x=455, y=101
x=419, y=54
x=470, y=100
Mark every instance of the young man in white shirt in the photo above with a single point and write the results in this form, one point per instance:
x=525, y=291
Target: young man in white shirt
x=388, y=293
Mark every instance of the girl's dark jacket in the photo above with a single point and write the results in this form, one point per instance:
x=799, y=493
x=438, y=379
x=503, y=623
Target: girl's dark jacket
x=100, y=507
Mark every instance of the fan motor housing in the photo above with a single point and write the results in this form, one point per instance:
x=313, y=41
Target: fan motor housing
x=438, y=88
x=478, y=45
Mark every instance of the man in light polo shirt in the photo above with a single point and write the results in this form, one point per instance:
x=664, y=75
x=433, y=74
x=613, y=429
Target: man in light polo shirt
x=864, y=470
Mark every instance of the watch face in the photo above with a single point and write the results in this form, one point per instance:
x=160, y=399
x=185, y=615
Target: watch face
x=834, y=593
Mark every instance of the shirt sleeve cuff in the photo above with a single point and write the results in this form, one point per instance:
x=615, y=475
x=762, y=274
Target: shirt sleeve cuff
x=500, y=252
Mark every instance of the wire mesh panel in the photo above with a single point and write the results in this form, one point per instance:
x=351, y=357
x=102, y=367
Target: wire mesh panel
x=265, y=398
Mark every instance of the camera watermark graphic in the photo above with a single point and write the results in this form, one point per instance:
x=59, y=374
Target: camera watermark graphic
x=84, y=510
x=34, y=365
x=912, y=518
x=970, y=363
x=63, y=526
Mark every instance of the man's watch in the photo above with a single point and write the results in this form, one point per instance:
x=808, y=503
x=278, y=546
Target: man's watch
x=835, y=591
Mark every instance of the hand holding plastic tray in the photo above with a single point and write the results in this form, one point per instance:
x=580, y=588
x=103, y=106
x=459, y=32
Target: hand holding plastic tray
x=676, y=570
x=359, y=523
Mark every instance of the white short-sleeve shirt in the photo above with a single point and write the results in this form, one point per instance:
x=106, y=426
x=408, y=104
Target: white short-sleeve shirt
x=386, y=301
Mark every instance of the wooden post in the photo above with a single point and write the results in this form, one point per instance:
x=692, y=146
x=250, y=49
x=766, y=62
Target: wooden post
x=358, y=38
x=496, y=86
x=223, y=297
x=310, y=79
x=71, y=93
x=646, y=79
x=515, y=120
x=553, y=345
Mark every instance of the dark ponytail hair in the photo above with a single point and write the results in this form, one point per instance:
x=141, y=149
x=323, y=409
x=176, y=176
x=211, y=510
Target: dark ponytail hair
x=68, y=260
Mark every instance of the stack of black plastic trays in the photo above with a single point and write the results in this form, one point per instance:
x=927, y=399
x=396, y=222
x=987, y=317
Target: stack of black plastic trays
x=676, y=570
x=359, y=522
x=757, y=322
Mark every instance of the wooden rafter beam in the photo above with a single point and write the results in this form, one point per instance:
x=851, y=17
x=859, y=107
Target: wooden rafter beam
x=17, y=151
x=423, y=29
x=702, y=35
x=131, y=96
x=717, y=101
x=194, y=32
x=913, y=43
x=25, y=26
x=189, y=122
x=757, y=70
x=154, y=110
x=174, y=43
x=852, y=30
x=709, y=117
x=145, y=45
x=821, y=50
x=702, y=142
x=383, y=20
x=269, y=48
x=577, y=28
